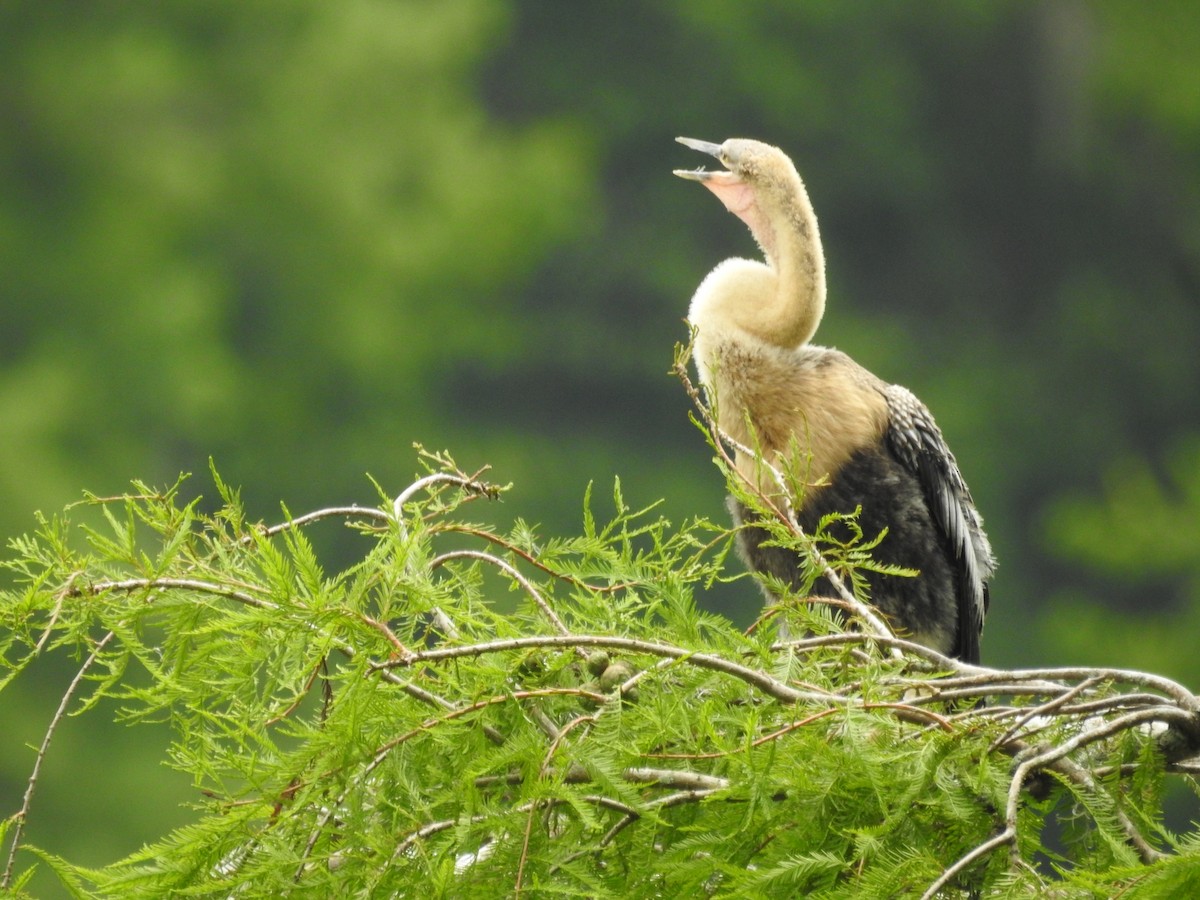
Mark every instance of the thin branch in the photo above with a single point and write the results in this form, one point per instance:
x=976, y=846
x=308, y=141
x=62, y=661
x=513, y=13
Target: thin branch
x=465, y=482
x=627, y=685
x=764, y=682
x=352, y=511
x=60, y=597
x=23, y=813
x=544, y=722
x=692, y=781
x=439, y=561
x=633, y=816
x=981, y=681
x=577, y=722
x=1043, y=710
x=129, y=585
x=1054, y=678
x=967, y=860
x=526, y=838
x=941, y=662
x=429, y=830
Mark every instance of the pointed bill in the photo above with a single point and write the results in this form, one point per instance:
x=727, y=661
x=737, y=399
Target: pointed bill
x=708, y=178
x=704, y=176
x=737, y=195
x=703, y=146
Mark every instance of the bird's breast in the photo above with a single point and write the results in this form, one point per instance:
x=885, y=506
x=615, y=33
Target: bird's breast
x=806, y=410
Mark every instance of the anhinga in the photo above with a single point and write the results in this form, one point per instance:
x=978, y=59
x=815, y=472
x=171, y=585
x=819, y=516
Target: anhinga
x=863, y=442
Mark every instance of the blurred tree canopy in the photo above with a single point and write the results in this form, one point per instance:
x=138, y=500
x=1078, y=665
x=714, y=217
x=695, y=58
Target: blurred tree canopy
x=298, y=237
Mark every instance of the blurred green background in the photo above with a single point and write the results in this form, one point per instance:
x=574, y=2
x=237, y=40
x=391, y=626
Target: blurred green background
x=298, y=236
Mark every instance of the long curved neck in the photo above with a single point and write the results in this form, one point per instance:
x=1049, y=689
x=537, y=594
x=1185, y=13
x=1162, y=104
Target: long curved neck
x=780, y=302
x=787, y=232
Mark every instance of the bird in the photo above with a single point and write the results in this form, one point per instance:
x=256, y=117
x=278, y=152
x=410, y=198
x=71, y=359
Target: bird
x=859, y=443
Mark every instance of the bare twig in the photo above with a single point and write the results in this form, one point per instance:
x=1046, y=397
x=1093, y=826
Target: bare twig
x=1043, y=710
x=180, y=584
x=59, y=598
x=353, y=511
x=692, y=781
x=967, y=860
x=419, y=693
x=512, y=573
x=764, y=682
x=465, y=482
x=23, y=813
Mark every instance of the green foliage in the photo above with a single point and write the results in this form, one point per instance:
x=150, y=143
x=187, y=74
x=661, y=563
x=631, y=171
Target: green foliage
x=298, y=236
x=469, y=712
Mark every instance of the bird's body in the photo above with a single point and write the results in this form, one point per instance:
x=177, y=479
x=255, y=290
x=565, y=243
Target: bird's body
x=855, y=440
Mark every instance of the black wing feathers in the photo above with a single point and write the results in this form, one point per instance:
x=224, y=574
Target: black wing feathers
x=916, y=442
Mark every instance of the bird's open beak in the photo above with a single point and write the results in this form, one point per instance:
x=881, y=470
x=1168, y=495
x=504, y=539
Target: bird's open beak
x=702, y=175
x=731, y=189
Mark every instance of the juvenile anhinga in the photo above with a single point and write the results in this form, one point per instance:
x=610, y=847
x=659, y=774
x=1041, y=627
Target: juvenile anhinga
x=861, y=441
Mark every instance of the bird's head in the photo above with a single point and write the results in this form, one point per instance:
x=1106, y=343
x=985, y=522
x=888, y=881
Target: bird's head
x=744, y=159
x=756, y=185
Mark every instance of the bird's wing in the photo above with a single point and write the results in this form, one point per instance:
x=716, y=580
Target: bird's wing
x=917, y=444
